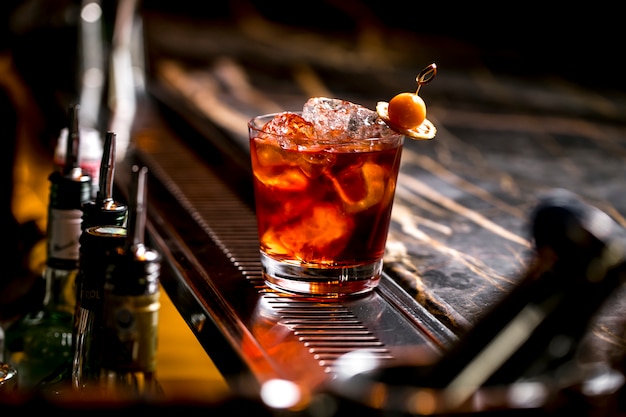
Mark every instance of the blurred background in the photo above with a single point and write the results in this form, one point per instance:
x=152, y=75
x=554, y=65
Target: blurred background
x=528, y=40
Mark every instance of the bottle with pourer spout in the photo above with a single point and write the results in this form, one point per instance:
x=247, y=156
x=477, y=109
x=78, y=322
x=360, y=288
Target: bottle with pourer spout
x=131, y=307
x=41, y=340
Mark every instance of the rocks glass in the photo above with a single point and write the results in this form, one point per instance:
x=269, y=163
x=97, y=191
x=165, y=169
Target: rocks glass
x=324, y=183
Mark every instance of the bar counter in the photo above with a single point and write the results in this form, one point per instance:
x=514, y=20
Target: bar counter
x=185, y=371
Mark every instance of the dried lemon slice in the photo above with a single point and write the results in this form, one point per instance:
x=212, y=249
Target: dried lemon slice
x=425, y=131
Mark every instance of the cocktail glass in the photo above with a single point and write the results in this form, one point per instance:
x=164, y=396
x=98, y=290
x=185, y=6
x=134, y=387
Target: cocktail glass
x=324, y=192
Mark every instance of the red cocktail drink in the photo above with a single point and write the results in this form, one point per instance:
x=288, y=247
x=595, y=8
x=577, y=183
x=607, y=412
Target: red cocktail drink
x=323, y=200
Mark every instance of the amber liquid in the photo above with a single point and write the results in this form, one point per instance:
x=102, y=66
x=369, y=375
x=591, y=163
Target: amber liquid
x=323, y=212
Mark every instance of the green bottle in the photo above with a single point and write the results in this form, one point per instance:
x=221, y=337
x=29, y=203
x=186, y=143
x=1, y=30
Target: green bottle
x=41, y=340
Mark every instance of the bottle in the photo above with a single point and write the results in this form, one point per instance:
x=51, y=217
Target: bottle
x=99, y=245
x=8, y=374
x=131, y=308
x=42, y=339
x=533, y=333
x=103, y=231
x=105, y=234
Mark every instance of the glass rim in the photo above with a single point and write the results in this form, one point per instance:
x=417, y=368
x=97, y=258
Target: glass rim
x=254, y=125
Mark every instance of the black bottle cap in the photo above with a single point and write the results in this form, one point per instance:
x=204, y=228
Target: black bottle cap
x=95, y=214
x=68, y=192
x=102, y=238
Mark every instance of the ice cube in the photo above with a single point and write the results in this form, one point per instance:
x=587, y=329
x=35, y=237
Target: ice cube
x=342, y=120
x=288, y=180
x=315, y=164
x=275, y=167
x=288, y=123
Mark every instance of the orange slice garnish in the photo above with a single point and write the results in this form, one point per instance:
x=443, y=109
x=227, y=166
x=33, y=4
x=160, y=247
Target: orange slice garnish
x=424, y=131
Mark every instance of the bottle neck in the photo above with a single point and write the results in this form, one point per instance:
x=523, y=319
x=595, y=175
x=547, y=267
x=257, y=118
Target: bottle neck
x=64, y=229
x=98, y=244
x=60, y=293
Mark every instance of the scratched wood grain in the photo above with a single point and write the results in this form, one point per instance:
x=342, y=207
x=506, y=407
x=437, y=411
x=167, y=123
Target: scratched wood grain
x=460, y=234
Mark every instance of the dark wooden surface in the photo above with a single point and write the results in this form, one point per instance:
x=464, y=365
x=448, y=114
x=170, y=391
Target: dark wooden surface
x=461, y=220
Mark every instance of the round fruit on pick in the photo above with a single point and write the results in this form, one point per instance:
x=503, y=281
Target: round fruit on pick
x=406, y=110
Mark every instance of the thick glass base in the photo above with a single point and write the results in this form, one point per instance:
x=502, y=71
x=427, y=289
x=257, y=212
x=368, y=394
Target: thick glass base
x=327, y=282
